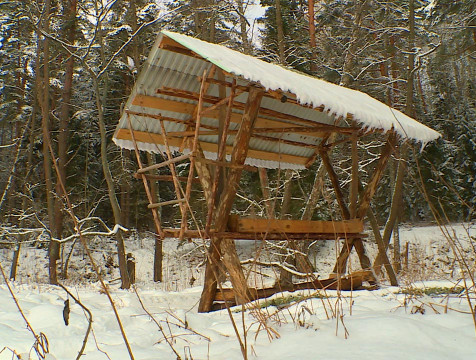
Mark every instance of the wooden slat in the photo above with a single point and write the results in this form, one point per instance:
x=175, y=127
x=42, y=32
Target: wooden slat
x=295, y=226
x=145, y=137
x=162, y=164
x=163, y=203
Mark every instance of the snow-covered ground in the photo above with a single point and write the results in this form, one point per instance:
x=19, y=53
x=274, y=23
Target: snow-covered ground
x=420, y=320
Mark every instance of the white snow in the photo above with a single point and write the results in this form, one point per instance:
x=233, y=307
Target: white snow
x=385, y=323
x=338, y=100
x=380, y=326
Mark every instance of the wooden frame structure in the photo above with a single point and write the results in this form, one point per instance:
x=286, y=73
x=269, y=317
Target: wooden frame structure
x=233, y=126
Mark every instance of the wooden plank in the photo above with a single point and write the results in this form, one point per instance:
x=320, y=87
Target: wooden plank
x=295, y=226
x=163, y=104
x=151, y=138
x=186, y=108
x=173, y=46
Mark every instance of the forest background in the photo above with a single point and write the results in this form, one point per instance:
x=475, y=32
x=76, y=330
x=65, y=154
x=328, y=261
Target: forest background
x=68, y=66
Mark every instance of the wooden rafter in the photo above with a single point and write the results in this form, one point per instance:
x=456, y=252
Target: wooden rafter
x=190, y=95
x=186, y=108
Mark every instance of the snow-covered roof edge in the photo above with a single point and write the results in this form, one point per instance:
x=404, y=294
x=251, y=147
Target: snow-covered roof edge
x=336, y=99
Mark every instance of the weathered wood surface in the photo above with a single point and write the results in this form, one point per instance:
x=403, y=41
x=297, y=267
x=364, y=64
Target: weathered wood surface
x=311, y=128
x=238, y=157
x=353, y=281
x=335, y=183
x=243, y=225
x=151, y=138
x=196, y=234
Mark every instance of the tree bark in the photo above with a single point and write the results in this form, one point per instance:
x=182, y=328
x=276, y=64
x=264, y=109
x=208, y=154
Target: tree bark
x=116, y=210
x=44, y=100
x=280, y=32
x=312, y=36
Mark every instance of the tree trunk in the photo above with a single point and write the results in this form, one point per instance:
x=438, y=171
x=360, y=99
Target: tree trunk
x=243, y=28
x=44, y=100
x=312, y=36
x=280, y=32
x=64, y=114
x=101, y=97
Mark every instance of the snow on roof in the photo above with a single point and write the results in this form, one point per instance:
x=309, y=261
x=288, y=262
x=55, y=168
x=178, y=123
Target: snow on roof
x=338, y=100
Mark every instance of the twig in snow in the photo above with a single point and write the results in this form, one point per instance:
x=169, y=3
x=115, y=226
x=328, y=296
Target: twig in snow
x=41, y=344
x=90, y=320
x=156, y=323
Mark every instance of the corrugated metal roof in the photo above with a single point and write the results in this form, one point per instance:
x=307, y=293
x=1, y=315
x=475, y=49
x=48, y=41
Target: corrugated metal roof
x=175, y=70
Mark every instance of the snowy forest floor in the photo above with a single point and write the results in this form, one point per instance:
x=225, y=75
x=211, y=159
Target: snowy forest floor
x=428, y=316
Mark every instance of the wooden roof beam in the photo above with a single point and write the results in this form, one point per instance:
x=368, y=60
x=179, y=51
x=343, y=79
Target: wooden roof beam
x=186, y=108
x=236, y=104
x=315, y=129
x=156, y=139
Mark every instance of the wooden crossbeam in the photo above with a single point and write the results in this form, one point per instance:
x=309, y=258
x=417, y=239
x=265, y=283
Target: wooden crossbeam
x=185, y=94
x=163, y=177
x=163, y=203
x=163, y=163
x=151, y=138
x=274, y=94
x=186, y=108
x=300, y=236
x=244, y=225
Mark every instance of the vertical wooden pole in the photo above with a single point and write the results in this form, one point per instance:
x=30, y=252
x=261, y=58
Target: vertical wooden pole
x=219, y=173
x=335, y=183
x=146, y=184
x=264, y=181
x=191, y=170
x=238, y=157
x=364, y=205
x=354, y=185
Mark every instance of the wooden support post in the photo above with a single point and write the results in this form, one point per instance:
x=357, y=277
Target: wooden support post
x=191, y=170
x=219, y=171
x=364, y=204
x=369, y=192
x=171, y=162
x=269, y=204
x=238, y=157
x=204, y=176
x=354, y=185
x=150, y=197
x=335, y=183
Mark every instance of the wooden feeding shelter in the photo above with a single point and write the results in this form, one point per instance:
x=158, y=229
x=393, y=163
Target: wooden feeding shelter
x=225, y=112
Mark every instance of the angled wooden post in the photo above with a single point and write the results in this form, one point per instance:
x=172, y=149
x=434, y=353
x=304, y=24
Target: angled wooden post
x=365, y=199
x=335, y=183
x=238, y=157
